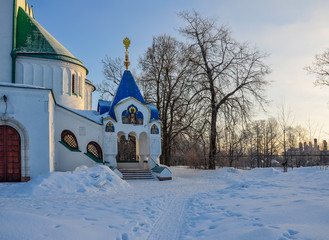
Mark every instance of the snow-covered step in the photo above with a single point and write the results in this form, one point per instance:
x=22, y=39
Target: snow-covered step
x=135, y=174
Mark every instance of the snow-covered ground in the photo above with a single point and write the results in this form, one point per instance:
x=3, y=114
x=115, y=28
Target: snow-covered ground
x=223, y=204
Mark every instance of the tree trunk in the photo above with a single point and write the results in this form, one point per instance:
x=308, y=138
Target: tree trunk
x=213, y=135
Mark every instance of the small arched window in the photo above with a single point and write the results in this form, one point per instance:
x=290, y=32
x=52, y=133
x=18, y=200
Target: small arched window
x=73, y=83
x=95, y=150
x=69, y=139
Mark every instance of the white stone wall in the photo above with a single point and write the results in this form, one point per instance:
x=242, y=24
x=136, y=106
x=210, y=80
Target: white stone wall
x=84, y=130
x=155, y=139
x=6, y=29
x=154, y=144
x=88, y=96
x=51, y=110
x=55, y=75
x=29, y=114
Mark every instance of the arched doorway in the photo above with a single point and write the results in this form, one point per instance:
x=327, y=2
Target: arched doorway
x=126, y=148
x=10, y=154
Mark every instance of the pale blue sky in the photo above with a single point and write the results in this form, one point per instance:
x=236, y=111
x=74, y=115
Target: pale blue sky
x=291, y=31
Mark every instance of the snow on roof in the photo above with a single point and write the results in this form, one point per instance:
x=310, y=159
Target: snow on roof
x=22, y=85
x=88, y=114
x=103, y=106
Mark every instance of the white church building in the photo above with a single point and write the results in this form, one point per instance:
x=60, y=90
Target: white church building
x=46, y=119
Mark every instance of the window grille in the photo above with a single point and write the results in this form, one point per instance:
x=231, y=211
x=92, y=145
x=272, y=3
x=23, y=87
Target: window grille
x=69, y=138
x=94, y=149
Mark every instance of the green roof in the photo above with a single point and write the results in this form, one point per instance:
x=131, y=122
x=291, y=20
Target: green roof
x=34, y=41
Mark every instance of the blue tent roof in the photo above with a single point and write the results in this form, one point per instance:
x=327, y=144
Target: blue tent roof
x=103, y=106
x=154, y=112
x=127, y=88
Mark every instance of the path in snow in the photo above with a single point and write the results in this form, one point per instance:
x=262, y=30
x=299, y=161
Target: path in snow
x=168, y=226
x=223, y=204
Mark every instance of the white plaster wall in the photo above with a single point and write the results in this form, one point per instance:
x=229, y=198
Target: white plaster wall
x=6, y=29
x=22, y=4
x=144, y=145
x=110, y=142
x=55, y=75
x=155, y=140
x=88, y=96
x=84, y=130
x=31, y=110
x=51, y=110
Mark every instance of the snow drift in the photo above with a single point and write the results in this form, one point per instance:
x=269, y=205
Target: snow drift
x=81, y=180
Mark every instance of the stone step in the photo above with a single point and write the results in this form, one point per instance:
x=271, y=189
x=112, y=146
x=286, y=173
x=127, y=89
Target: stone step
x=132, y=174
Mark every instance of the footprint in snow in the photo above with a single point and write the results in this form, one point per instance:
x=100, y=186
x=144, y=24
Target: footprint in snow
x=90, y=219
x=124, y=236
x=275, y=227
x=292, y=232
x=232, y=214
x=256, y=210
x=257, y=224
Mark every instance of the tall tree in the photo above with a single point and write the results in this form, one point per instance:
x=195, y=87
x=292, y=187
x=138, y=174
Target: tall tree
x=230, y=74
x=167, y=82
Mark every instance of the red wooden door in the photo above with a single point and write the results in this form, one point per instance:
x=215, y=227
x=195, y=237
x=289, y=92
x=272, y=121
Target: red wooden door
x=10, y=155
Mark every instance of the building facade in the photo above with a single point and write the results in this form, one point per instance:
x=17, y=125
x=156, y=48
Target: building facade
x=46, y=118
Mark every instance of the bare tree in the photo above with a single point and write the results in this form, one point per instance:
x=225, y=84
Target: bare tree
x=167, y=83
x=320, y=68
x=271, y=140
x=230, y=75
x=285, y=121
x=113, y=71
x=232, y=144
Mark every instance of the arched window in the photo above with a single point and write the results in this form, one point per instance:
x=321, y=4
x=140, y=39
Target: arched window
x=73, y=83
x=95, y=150
x=69, y=140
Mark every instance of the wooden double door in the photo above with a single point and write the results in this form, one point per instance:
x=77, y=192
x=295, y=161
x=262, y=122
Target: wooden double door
x=10, y=154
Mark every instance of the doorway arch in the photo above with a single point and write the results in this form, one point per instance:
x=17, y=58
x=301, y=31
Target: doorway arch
x=24, y=146
x=126, y=148
x=10, y=154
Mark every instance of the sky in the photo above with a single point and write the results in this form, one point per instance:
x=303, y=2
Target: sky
x=290, y=31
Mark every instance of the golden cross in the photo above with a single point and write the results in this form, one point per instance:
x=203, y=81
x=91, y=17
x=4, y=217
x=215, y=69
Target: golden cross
x=126, y=42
